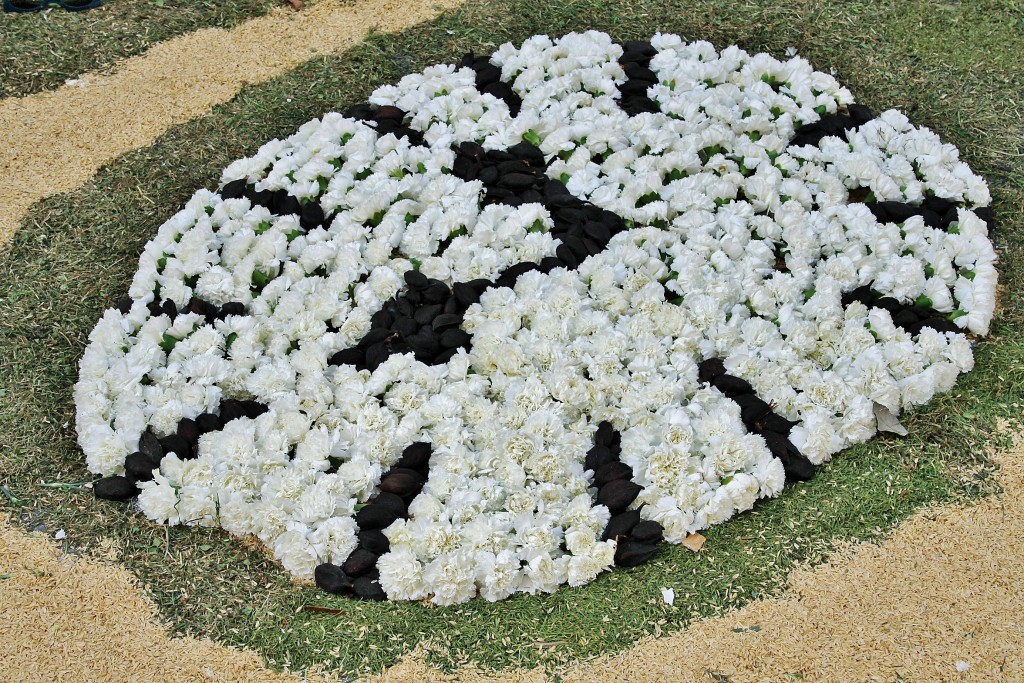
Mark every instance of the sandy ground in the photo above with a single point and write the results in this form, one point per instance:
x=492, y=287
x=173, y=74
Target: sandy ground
x=49, y=151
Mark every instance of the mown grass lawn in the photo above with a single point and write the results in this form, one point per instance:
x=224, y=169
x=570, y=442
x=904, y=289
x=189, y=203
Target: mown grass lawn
x=950, y=66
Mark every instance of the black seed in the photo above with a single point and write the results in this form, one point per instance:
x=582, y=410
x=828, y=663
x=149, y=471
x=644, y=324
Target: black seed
x=114, y=488
x=359, y=562
x=633, y=553
x=208, y=422
x=177, y=445
x=888, y=303
x=465, y=294
x=124, y=305
x=597, y=231
x=253, y=409
x=566, y=256
x=416, y=456
x=446, y=320
x=230, y=409
x=232, y=308
x=607, y=435
x=426, y=314
x=517, y=181
x=331, y=579
x=168, y=308
x=640, y=46
x=405, y=326
x=312, y=215
x=905, y=318
x=374, y=540
x=454, y=338
x=549, y=263
x=234, y=190
x=285, y=204
x=752, y=409
x=452, y=305
x=621, y=524
x=368, y=589
x=374, y=336
x=376, y=355
x=376, y=516
x=189, y=430
x=423, y=343
x=860, y=113
x=149, y=444
x=940, y=325
x=777, y=423
x=611, y=472
x=640, y=73
x=416, y=279
x=709, y=369
x=648, y=531
x=139, y=466
x=436, y=293
x=597, y=457
x=382, y=318
x=488, y=175
x=731, y=386
x=363, y=112
x=445, y=356
x=353, y=356
x=618, y=494
x=797, y=467
x=402, y=482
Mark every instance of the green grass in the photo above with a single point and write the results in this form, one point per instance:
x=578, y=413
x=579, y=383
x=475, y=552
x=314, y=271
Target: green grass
x=41, y=50
x=75, y=255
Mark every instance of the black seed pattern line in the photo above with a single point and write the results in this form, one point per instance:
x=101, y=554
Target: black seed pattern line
x=488, y=81
x=636, y=62
x=358, y=575
x=759, y=418
x=636, y=539
x=910, y=317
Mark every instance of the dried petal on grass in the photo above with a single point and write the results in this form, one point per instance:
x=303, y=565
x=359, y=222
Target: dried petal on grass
x=694, y=542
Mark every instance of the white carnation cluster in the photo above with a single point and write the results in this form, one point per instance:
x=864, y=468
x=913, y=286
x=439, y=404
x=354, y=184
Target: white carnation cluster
x=740, y=247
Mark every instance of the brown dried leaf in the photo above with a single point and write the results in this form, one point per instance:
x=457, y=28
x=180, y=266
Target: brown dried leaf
x=694, y=542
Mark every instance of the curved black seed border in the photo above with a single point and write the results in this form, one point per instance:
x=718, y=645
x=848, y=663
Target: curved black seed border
x=636, y=61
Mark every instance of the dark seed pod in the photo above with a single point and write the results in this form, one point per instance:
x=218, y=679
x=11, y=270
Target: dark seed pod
x=208, y=422
x=230, y=409
x=382, y=318
x=415, y=279
x=368, y=589
x=331, y=579
x=114, y=488
x=648, y=531
x=375, y=355
x=454, y=338
x=374, y=540
x=177, y=445
x=633, y=553
x=606, y=435
x=611, y=472
x=426, y=314
x=374, y=336
x=710, y=369
x=904, y=318
x=359, y=562
x=140, y=466
x=402, y=482
x=416, y=456
x=621, y=524
x=732, y=386
x=616, y=495
x=436, y=293
x=189, y=430
x=777, y=423
x=597, y=457
x=380, y=512
x=446, y=320
x=312, y=215
x=752, y=409
x=405, y=326
x=124, y=305
x=353, y=356
x=234, y=189
x=232, y=308
x=149, y=444
x=796, y=466
x=253, y=409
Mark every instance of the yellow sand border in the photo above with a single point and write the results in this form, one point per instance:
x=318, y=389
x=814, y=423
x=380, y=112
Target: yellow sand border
x=55, y=141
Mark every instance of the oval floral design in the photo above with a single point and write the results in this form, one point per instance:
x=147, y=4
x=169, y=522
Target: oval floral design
x=513, y=322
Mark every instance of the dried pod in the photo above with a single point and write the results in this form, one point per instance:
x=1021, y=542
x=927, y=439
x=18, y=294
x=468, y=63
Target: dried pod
x=368, y=589
x=416, y=456
x=150, y=445
x=331, y=579
x=374, y=540
x=208, y=422
x=353, y=356
x=633, y=553
x=189, y=430
x=618, y=494
x=621, y=524
x=115, y=488
x=709, y=369
x=177, y=445
x=140, y=466
x=597, y=457
x=403, y=482
x=648, y=531
x=359, y=562
x=611, y=472
x=797, y=467
x=731, y=385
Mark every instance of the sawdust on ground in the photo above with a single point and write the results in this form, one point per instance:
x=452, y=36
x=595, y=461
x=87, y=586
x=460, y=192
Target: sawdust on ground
x=939, y=600
x=55, y=141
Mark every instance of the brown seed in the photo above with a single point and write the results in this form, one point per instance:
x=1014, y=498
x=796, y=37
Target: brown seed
x=403, y=482
x=359, y=562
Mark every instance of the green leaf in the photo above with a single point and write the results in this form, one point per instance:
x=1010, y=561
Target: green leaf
x=421, y=167
x=928, y=270
x=262, y=227
x=808, y=293
x=538, y=226
x=531, y=137
x=923, y=301
x=161, y=263
x=293, y=234
x=956, y=314
x=260, y=279
x=416, y=263
x=458, y=233
x=821, y=109
x=167, y=343
x=565, y=178
x=969, y=274
x=229, y=341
